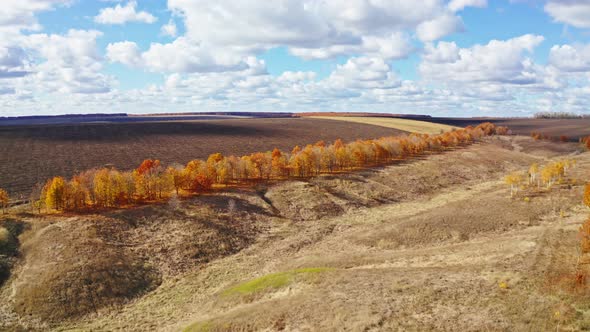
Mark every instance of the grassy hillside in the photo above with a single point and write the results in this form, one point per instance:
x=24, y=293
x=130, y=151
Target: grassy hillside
x=421, y=245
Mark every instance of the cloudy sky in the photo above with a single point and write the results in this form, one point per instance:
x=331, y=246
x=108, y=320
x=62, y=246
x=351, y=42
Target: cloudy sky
x=439, y=57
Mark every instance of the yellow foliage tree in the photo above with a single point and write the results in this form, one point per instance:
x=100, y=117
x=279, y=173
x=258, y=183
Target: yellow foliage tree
x=514, y=180
x=533, y=170
x=55, y=193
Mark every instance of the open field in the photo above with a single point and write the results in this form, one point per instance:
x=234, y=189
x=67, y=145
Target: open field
x=31, y=154
x=408, y=125
x=421, y=245
x=572, y=128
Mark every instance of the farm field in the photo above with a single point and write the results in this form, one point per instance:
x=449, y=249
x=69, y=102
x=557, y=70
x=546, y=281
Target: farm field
x=32, y=154
x=408, y=125
x=572, y=128
x=420, y=245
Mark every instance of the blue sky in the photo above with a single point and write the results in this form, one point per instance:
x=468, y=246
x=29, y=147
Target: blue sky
x=451, y=58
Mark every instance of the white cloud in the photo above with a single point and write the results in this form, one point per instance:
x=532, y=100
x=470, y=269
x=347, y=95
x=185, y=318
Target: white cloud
x=123, y=14
x=180, y=56
x=212, y=64
x=439, y=27
x=498, y=61
x=458, y=5
x=363, y=73
x=315, y=28
x=21, y=14
x=125, y=52
x=572, y=12
x=169, y=29
x=67, y=63
x=13, y=62
x=571, y=58
x=394, y=46
x=297, y=76
x=444, y=52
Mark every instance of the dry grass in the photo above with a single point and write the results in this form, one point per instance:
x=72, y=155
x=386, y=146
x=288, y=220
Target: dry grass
x=417, y=246
x=412, y=126
x=72, y=269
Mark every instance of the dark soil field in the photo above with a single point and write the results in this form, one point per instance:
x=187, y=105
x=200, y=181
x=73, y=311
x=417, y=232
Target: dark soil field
x=32, y=154
x=572, y=128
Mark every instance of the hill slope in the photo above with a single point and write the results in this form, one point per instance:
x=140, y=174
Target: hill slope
x=433, y=243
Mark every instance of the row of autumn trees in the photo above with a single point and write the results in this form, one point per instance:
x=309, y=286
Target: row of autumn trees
x=152, y=182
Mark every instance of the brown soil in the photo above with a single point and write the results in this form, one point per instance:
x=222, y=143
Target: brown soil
x=572, y=128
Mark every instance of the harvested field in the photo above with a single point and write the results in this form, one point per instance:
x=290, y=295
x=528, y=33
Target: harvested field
x=408, y=125
x=33, y=154
x=572, y=128
x=421, y=245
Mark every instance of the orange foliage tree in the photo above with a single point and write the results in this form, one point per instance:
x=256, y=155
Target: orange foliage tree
x=4, y=199
x=584, y=234
x=587, y=195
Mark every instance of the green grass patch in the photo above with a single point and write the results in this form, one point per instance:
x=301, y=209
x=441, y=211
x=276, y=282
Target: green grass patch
x=198, y=327
x=265, y=283
x=274, y=281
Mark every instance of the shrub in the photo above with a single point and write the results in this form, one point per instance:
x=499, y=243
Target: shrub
x=4, y=235
x=8, y=243
x=587, y=195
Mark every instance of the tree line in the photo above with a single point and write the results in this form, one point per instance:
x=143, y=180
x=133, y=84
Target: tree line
x=559, y=115
x=153, y=182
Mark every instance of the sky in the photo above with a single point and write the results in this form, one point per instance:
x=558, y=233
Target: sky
x=437, y=57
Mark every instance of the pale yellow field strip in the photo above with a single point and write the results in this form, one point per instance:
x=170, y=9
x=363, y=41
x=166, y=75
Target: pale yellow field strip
x=412, y=126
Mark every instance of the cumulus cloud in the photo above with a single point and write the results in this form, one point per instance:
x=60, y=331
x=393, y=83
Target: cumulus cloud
x=21, y=14
x=182, y=56
x=125, y=52
x=67, y=63
x=572, y=12
x=439, y=27
x=570, y=58
x=219, y=37
x=501, y=61
x=210, y=62
x=316, y=28
x=394, y=46
x=363, y=73
x=13, y=62
x=123, y=14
